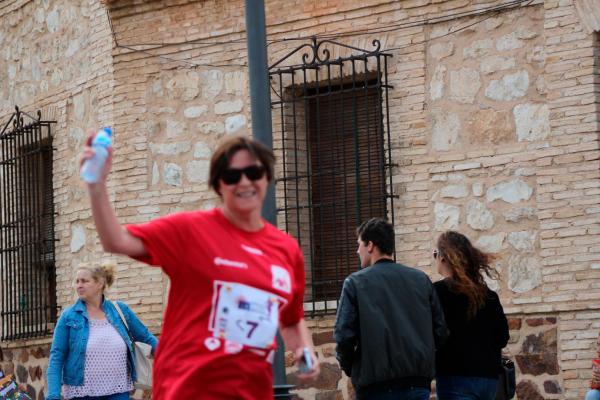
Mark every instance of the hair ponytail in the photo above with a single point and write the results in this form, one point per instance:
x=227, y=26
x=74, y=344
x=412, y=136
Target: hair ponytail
x=105, y=273
x=108, y=271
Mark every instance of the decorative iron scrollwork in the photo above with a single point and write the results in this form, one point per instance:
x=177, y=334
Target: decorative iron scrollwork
x=17, y=119
x=317, y=55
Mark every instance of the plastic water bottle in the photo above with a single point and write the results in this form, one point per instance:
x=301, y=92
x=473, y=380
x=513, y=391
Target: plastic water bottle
x=92, y=168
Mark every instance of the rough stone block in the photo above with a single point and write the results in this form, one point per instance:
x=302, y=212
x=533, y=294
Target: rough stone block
x=446, y=126
x=524, y=273
x=552, y=387
x=510, y=87
x=478, y=216
x=446, y=216
x=538, y=364
x=527, y=390
x=523, y=241
x=532, y=121
x=491, y=127
x=511, y=191
x=328, y=379
x=514, y=323
x=542, y=342
x=441, y=50
x=491, y=243
x=478, y=49
x=321, y=338
x=464, y=85
x=436, y=85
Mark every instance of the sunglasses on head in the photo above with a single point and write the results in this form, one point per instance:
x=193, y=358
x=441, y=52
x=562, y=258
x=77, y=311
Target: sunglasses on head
x=231, y=176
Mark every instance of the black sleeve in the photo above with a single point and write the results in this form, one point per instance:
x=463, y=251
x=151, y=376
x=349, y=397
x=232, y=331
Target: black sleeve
x=440, y=331
x=346, y=327
x=500, y=323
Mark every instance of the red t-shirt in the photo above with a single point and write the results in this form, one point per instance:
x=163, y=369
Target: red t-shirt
x=228, y=290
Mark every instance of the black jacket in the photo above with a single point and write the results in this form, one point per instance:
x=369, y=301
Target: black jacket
x=474, y=345
x=388, y=326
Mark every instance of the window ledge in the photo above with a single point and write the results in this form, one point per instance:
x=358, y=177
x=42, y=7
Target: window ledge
x=320, y=306
x=15, y=344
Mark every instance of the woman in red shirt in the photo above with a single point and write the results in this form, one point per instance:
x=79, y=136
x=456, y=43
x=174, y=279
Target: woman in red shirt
x=235, y=280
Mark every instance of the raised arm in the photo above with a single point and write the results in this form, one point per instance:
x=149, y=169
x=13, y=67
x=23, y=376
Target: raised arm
x=114, y=237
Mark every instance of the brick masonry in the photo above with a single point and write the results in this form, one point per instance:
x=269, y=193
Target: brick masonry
x=495, y=127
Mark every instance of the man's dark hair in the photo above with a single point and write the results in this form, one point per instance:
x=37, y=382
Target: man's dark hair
x=378, y=231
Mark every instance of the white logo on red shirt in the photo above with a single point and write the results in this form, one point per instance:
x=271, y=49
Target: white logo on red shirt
x=252, y=250
x=232, y=347
x=281, y=279
x=212, y=344
x=230, y=263
x=261, y=353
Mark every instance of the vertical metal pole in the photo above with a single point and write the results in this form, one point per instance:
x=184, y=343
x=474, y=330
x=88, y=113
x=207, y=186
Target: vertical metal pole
x=260, y=105
x=260, y=99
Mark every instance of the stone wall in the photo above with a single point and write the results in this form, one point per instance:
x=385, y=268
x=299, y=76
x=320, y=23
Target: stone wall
x=534, y=341
x=56, y=58
x=533, y=346
x=494, y=120
x=28, y=364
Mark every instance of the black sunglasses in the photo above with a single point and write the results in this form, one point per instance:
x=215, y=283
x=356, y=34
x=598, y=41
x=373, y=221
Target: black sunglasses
x=435, y=253
x=231, y=176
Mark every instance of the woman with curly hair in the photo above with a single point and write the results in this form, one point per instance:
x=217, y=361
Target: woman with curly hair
x=468, y=364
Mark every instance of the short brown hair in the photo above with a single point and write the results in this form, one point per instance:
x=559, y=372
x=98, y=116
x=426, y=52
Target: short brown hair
x=380, y=232
x=223, y=154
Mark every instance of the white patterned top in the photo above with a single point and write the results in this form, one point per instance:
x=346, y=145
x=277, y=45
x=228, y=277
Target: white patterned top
x=105, y=364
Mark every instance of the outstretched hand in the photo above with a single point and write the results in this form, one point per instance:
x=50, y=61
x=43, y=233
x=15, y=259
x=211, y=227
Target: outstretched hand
x=88, y=153
x=316, y=367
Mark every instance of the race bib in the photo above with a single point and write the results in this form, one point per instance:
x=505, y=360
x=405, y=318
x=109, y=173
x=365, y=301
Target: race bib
x=244, y=314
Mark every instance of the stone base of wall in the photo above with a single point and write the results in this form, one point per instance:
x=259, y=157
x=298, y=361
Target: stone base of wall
x=28, y=362
x=542, y=367
x=532, y=345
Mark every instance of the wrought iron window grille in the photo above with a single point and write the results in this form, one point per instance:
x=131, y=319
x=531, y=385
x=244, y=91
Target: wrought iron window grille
x=331, y=133
x=27, y=239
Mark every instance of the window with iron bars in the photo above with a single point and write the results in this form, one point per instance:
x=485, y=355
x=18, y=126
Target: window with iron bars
x=333, y=170
x=27, y=251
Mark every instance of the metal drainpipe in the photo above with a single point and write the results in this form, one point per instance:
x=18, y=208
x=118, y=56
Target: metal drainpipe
x=260, y=106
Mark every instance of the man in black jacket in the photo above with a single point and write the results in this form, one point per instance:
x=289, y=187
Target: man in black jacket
x=389, y=322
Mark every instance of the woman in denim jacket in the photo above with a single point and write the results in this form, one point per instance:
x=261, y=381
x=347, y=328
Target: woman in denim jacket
x=92, y=355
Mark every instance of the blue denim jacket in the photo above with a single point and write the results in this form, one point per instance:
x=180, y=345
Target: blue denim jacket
x=67, y=354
